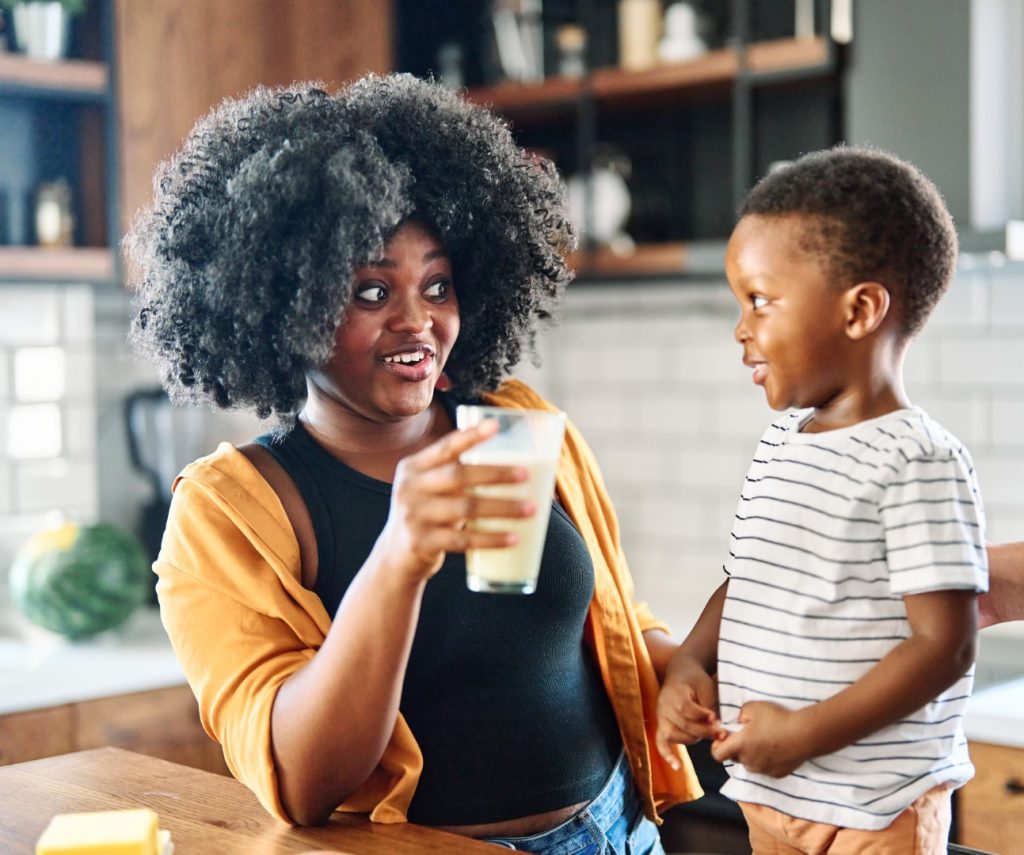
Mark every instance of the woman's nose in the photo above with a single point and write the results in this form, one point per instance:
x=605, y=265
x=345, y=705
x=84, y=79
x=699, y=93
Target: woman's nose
x=409, y=314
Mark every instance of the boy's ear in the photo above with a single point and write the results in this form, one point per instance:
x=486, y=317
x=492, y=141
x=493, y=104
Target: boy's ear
x=866, y=304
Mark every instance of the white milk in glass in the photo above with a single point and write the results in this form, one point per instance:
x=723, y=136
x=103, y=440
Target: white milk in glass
x=514, y=568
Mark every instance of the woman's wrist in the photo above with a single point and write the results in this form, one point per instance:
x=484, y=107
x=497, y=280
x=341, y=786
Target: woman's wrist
x=661, y=647
x=394, y=574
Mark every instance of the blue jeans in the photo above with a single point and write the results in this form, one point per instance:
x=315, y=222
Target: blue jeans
x=612, y=824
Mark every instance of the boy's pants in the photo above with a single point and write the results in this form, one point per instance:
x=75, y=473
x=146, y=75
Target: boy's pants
x=922, y=829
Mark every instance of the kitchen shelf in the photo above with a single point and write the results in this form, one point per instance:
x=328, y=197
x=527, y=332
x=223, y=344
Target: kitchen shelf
x=689, y=138
x=58, y=122
x=644, y=260
x=72, y=264
x=715, y=71
x=697, y=258
x=555, y=95
x=788, y=55
x=72, y=79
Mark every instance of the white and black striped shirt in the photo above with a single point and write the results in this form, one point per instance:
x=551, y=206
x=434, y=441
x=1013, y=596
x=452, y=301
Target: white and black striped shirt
x=832, y=530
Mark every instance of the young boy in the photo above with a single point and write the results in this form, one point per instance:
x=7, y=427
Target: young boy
x=833, y=665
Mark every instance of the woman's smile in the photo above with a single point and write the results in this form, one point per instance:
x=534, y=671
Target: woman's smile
x=414, y=364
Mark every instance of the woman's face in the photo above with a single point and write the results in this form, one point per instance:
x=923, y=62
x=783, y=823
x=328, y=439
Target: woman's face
x=397, y=331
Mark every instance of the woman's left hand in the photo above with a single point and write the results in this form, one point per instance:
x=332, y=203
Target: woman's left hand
x=770, y=740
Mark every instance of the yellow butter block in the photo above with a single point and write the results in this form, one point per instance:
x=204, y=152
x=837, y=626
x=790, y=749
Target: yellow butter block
x=112, y=832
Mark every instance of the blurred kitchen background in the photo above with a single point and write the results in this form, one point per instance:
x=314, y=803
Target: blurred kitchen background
x=659, y=114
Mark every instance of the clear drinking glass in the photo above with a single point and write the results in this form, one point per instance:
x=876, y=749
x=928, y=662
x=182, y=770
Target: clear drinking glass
x=531, y=439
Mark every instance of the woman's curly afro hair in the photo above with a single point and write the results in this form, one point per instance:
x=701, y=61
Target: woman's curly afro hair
x=247, y=252
x=877, y=218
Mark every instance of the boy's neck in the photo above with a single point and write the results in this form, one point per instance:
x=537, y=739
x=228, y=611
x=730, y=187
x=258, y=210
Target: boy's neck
x=875, y=389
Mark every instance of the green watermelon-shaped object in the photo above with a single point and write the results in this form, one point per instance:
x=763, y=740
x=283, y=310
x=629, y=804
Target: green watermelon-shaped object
x=79, y=580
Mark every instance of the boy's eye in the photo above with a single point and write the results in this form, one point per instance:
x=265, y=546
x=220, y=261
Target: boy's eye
x=371, y=292
x=437, y=290
x=757, y=301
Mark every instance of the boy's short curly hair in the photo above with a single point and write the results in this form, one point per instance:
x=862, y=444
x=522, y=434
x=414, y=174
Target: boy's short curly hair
x=247, y=252
x=875, y=218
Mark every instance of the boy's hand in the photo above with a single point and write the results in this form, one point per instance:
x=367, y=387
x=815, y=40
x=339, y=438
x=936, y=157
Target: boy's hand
x=770, y=740
x=687, y=707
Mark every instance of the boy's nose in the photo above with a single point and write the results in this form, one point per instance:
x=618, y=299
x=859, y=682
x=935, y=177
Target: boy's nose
x=741, y=333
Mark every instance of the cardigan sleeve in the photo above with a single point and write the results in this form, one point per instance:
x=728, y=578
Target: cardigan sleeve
x=241, y=623
x=235, y=633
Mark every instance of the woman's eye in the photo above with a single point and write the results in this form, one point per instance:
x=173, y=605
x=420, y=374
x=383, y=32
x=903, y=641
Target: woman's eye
x=372, y=292
x=437, y=290
x=758, y=302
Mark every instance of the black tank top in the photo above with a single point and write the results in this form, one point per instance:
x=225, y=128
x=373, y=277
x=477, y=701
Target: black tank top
x=501, y=692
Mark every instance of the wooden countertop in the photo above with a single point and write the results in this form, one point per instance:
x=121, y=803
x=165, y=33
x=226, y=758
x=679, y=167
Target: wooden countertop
x=206, y=814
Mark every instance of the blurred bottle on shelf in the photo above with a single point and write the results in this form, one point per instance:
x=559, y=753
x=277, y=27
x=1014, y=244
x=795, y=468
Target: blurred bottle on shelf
x=54, y=220
x=518, y=29
x=600, y=202
x=571, y=40
x=449, y=65
x=681, y=40
x=639, y=32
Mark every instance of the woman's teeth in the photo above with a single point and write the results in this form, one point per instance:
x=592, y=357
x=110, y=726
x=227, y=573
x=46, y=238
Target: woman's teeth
x=407, y=358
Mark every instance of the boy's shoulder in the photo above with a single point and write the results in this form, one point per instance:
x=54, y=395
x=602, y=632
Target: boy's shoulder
x=916, y=435
x=909, y=434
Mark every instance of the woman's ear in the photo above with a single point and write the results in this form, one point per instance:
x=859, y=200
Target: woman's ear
x=867, y=304
x=444, y=383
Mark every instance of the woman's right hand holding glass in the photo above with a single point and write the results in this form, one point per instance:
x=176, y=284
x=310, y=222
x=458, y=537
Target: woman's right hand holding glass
x=433, y=499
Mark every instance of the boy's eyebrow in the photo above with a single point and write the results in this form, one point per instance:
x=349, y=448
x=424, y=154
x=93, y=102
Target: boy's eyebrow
x=390, y=263
x=752, y=277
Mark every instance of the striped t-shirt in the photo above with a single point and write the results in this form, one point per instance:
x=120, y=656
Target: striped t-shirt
x=832, y=530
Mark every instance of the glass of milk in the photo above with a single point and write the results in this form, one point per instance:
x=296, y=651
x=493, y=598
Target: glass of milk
x=531, y=439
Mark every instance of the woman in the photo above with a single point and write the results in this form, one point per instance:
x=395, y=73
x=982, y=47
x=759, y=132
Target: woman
x=356, y=266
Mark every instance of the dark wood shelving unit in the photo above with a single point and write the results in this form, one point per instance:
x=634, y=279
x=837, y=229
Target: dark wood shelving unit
x=70, y=79
x=67, y=108
x=45, y=264
x=694, y=135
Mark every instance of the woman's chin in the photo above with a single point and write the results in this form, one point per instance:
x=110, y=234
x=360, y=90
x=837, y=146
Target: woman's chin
x=409, y=402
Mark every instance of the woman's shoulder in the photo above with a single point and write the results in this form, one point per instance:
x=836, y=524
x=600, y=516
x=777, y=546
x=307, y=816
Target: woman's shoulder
x=225, y=465
x=222, y=494
x=228, y=479
x=516, y=394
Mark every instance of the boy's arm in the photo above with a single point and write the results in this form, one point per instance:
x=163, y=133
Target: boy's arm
x=688, y=701
x=942, y=645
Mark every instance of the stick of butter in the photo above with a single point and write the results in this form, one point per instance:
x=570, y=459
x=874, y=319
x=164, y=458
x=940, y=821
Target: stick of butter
x=112, y=832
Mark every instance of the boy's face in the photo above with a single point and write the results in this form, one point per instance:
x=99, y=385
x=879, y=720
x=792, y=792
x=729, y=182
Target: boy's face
x=792, y=318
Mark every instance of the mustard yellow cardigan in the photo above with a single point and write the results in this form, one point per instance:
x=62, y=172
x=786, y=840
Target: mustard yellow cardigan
x=241, y=622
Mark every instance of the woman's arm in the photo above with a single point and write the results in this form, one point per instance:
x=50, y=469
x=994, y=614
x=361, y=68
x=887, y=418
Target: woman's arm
x=1005, y=598
x=688, y=701
x=942, y=645
x=332, y=719
x=662, y=647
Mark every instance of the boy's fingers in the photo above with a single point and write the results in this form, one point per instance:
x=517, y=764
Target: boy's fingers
x=726, y=749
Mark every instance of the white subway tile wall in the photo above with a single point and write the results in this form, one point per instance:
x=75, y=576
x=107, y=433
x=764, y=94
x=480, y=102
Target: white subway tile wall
x=649, y=372
x=34, y=431
x=652, y=376
x=39, y=373
x=47, y=411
